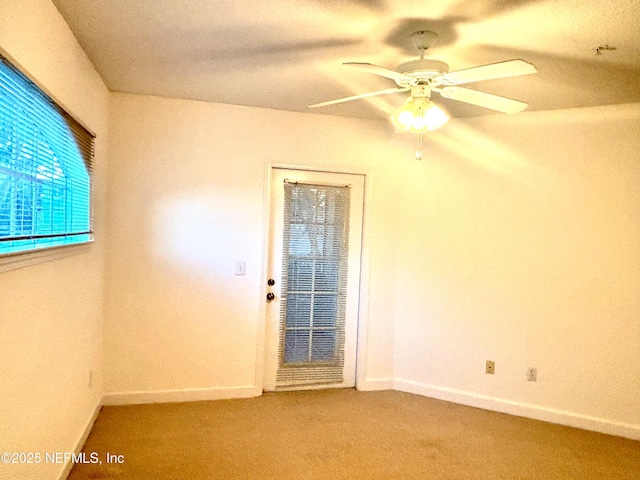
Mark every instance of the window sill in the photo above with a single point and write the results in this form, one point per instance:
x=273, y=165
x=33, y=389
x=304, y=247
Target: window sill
x=13, y=261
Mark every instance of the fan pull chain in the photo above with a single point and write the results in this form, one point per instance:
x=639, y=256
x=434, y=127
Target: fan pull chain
x=419, y=147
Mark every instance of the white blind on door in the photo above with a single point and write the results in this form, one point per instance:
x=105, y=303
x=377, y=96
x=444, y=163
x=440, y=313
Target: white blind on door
x=314, y=284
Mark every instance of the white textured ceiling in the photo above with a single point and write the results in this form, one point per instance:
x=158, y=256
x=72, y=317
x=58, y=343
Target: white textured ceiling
x=287, y=54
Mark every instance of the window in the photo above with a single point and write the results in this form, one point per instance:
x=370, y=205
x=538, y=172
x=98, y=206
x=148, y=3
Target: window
x=45, y=169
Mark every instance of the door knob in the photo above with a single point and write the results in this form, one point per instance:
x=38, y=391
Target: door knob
x=270, y=296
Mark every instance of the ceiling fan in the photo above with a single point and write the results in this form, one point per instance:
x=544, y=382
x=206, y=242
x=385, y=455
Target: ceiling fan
x=423, y=76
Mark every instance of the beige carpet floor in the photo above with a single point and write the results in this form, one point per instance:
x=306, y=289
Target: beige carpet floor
x=345, y=434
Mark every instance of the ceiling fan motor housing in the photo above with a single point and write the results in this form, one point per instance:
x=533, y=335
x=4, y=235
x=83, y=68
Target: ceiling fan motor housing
x=422, y=70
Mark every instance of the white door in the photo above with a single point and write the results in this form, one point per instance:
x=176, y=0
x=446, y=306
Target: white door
x=314, y=279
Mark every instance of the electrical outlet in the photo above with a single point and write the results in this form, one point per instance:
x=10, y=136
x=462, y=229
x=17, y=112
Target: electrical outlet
x=490, y=367
x=532, y=374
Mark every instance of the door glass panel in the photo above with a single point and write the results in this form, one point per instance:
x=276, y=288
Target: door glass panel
x=296, y=347
x=324, y=345
x=300, y=274
x=298, y=310
x=326, y=277
x=325, y=310
x=314, y=270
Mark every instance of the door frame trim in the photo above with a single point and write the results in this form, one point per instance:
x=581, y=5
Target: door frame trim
x=365, y=255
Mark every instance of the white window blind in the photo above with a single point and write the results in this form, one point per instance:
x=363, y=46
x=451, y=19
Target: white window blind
x=314, y=282
x=45, y=169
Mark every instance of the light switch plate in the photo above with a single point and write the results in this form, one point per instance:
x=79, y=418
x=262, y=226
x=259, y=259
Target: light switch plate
x=240, y=267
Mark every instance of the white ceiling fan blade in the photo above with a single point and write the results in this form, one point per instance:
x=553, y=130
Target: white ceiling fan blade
x=356, y=97
x=482, y=99
x=383, y=72
x=510, y=68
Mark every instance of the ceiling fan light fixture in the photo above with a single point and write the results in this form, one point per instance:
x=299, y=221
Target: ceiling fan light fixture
x=419, y=115
x=434, y=116
x=403, y=118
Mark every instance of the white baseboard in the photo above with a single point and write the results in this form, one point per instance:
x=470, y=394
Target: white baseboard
x=81, y=441
x=181, y=395
x=371, y=384
x=535, y=412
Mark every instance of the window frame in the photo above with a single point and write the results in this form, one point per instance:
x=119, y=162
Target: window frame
x=44, y=252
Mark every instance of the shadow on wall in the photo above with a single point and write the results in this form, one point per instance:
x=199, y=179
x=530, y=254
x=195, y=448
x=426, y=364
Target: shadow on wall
x=491, y=155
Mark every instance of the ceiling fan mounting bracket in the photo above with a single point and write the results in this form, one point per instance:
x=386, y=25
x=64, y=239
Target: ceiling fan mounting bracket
x=423, y=40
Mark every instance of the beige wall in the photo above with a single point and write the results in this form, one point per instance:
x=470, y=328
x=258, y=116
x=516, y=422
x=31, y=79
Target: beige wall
x=187, y=199
x=51, y=313
x=515, y=240
x=521, y=244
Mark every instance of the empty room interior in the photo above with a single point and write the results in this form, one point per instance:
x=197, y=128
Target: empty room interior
x=486, y=265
